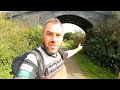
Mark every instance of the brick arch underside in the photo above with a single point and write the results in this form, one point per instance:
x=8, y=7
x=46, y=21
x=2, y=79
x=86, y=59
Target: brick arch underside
x=79, y=21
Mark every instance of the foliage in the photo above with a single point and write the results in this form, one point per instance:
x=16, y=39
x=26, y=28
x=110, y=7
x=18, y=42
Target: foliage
x=69, y=44
x=90, y=69
x=116, y=14
x=15, y=39
x=104, y=46
x=78, y=38
x=67, y=36
x=93, y=71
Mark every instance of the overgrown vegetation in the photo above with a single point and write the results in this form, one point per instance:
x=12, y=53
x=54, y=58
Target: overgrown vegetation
x=104, y=45
x=93, y=71
x=90, y=69
x=77, y=37
x=15, y=39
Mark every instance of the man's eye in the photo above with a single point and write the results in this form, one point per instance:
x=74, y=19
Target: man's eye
x=49, y=34
x=58, y=35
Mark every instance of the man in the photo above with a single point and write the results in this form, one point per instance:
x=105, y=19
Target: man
x=54, y=64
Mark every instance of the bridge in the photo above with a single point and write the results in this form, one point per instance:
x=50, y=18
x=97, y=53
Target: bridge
x=83, y=19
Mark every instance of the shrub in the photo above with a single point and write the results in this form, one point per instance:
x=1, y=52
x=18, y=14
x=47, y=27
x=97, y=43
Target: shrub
x=67, y=36
x=104, y=46
x=15, y=39
x=78, y=38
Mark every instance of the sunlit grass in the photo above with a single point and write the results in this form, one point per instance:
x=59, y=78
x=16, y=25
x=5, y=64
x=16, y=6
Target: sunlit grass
x=91, y=70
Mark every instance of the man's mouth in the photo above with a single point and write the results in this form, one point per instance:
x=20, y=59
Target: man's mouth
x=53, y=46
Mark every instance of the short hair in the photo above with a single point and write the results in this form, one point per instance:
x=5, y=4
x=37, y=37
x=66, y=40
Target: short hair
x=52, y=20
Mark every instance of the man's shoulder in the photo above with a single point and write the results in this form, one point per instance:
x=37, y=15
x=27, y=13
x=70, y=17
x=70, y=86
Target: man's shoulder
x=63, y=53
x=31, y=57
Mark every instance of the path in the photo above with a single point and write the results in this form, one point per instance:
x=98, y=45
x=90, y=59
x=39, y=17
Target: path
x=73, y=69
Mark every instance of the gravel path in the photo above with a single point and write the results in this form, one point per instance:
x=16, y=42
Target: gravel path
x=73, y=69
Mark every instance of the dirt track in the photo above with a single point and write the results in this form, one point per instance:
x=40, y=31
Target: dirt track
x=73, y=69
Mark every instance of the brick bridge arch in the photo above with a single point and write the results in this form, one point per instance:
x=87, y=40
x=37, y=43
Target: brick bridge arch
x=79, y=21
x=83, y=19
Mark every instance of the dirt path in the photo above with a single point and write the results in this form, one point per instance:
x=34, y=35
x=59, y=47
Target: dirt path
x=73, y=69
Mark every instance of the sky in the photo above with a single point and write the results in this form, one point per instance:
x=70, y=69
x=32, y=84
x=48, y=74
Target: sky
x=68, y=27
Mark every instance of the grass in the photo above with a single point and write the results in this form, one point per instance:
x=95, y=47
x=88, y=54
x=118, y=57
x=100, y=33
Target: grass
x=91, y=70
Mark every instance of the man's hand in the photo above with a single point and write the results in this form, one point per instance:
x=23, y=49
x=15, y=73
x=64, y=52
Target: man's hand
x=80, y=47
x=73, y=51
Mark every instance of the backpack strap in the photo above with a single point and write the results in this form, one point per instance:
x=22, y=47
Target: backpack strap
x=63, y=54
x=40, y=62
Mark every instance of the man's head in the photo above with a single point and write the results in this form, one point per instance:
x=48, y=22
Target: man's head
x=52, y=36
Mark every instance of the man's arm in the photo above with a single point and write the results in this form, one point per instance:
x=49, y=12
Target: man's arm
x=28, y=69
x=74, y=51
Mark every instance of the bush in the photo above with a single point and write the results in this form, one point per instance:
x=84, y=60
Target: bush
x=104, y=47
x=15, y=39
x=67, y=36
x=78, y=38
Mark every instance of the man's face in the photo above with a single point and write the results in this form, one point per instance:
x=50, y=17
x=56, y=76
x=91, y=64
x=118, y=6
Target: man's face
x=52, y=38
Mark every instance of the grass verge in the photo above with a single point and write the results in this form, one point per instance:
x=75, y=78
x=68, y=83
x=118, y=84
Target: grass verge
x=91, y=70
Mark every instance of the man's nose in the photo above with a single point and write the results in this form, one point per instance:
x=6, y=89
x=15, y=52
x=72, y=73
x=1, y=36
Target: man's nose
x=54, y=38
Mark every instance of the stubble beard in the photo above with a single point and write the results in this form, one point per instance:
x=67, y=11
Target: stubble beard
x=46, y=49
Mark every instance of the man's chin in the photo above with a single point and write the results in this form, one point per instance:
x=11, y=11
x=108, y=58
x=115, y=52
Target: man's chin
x=52, y=52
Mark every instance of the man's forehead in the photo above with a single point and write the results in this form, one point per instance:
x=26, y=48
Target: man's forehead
x=49, y=31
x=54, y=25
x=54, y=28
